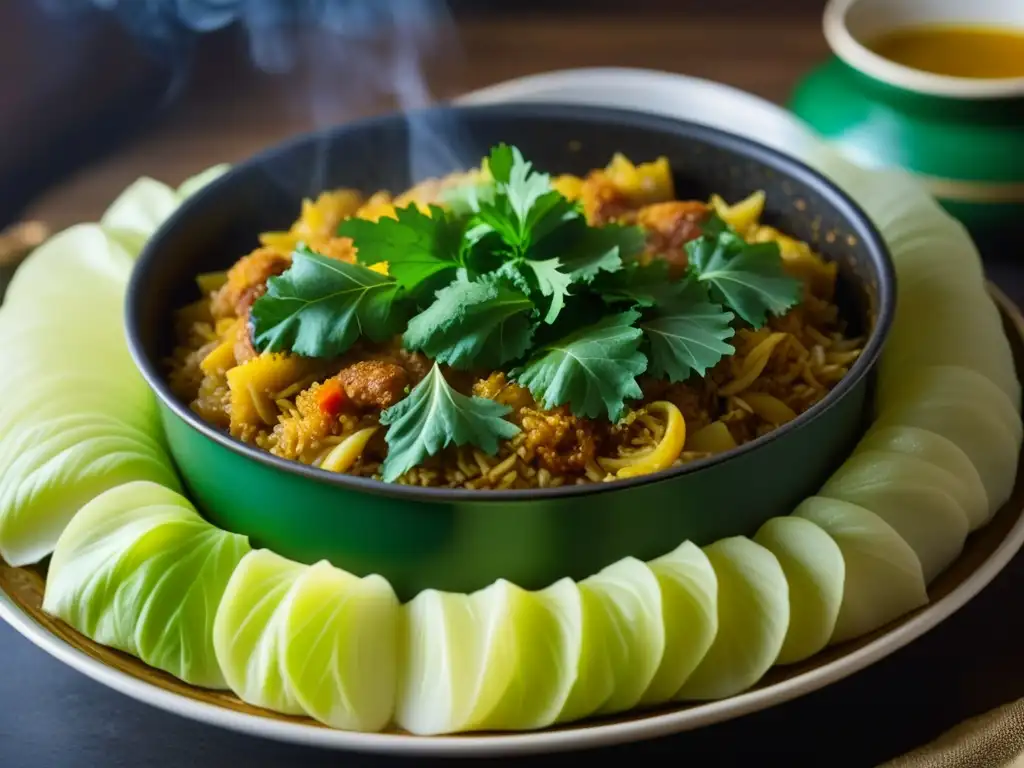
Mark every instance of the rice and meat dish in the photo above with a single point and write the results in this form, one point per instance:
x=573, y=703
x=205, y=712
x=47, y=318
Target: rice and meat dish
x=505, y=329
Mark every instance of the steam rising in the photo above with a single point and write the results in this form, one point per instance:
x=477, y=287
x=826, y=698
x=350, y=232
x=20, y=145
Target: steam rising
x=343, y=57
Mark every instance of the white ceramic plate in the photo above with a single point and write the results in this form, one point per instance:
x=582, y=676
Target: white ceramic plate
x=673, y=95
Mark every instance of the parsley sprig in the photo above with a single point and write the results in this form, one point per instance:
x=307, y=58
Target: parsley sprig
x=510, y=275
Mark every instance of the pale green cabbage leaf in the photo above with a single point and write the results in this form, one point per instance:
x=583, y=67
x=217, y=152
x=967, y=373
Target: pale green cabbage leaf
x=915, y=497
x=139, y=570
x=76, y=418
x=815, y=572
x=689, y=613
x=753, y=618
x=310, y=640
x=501, y=658
x=883, y=577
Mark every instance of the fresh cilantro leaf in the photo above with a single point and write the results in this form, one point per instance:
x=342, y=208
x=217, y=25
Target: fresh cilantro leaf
x=481, y=323
x=500, y=160
x=416, y=247
x=524, y=207
x=647, y=285
x=549, y=214
x=529, y=192
x=603, y=249
x=514, y=274
x=746, y=277
x=468, y=198
x=586, y=252
x=497, y=217
x=434, y=416
x=552, y=283
x=593, y=369
x=319, y=306
x=687, y=335
x=539, y=279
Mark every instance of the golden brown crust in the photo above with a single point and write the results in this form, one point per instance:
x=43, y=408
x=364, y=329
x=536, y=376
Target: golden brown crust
x=563, y=443
x=670, y=226
x=244, y=348
x=602, y=201
x=340, y=248
x=374, y=383
x=247, y=281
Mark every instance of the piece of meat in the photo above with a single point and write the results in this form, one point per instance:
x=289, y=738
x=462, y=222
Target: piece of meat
x=416, y=364
x=247, y=281
x=670, y=226
x=244, y=348
x=603, y=202
x=373, y=383
x=564, y=443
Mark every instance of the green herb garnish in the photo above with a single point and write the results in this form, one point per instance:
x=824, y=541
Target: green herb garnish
x=511, y=274
x=747, y=277
x=416, y=247
x=474, y=323
x=434, y=416
x=648, y=285
x=593, y=369
x=319, y=307
x=687, y=334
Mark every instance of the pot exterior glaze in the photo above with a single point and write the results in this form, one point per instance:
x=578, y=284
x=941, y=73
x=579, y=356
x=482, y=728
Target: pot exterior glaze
x=462, y=544
x=962, y=138
x=462, y=540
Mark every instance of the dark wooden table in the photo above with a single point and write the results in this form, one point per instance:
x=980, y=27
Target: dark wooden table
x=51, y=716
x=231, y=111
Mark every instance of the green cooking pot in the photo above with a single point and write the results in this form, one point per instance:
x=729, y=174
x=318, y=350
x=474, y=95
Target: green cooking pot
x=462, y=540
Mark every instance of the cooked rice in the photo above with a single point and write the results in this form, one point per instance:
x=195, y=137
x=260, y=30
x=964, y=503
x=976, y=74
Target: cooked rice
x=776, y=373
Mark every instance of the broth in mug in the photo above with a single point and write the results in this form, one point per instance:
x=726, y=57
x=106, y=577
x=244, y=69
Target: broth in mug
x=956, y=50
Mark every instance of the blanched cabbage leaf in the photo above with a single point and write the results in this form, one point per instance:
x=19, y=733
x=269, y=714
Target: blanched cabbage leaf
x=883, y=577
x=82, y=265
x=689, y=611
x=51, y=479
x=914, y=497
x=963, y=482
x=753, y=617
x=248, y=631
x=311, y=640
x=632, y=640
x=139, y=211
x=969, y=335
x=193, y=184
x=500, y=658
x=937, y=265
x=967, y=409
x=339, y=647
x=145, y=205
x=76, y=418
x=138, y=569
x=815, y=573
x=584, y=615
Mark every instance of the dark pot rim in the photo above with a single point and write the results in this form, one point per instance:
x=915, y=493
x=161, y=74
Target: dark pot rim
x=741, y=146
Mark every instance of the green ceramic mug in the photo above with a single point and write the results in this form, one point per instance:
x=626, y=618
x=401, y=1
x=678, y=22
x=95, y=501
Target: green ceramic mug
x=962, y=137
